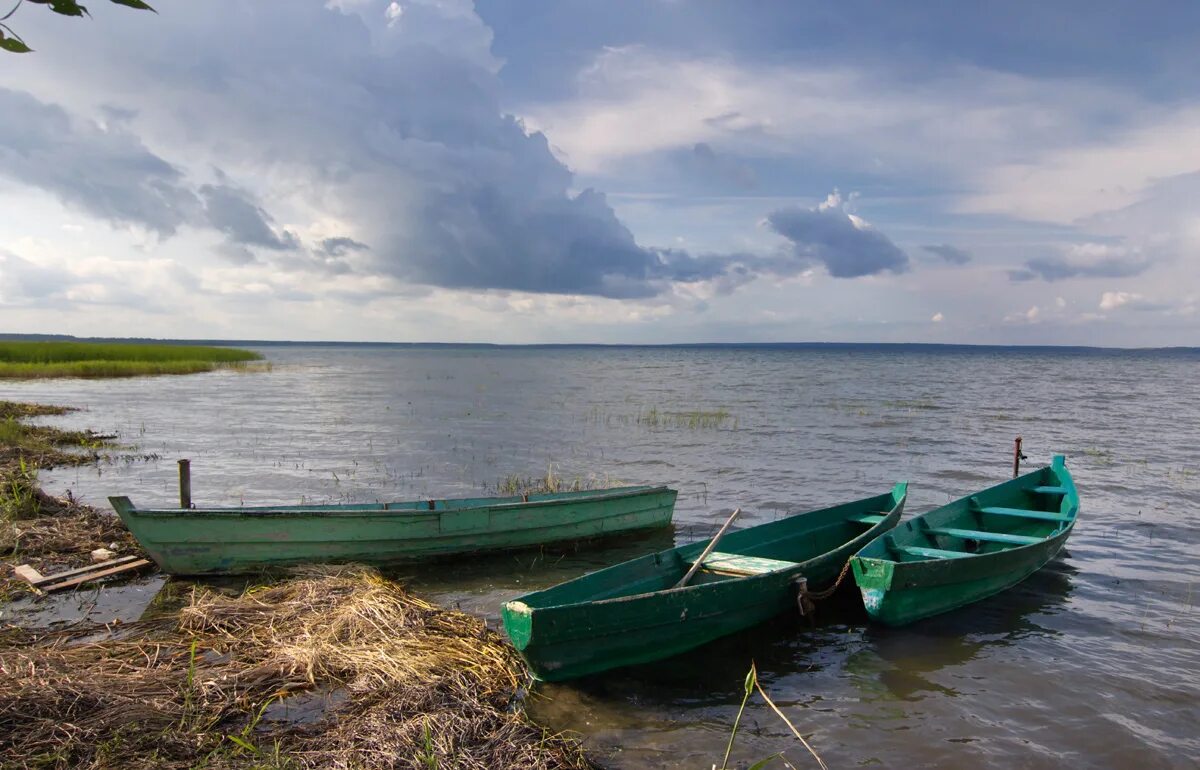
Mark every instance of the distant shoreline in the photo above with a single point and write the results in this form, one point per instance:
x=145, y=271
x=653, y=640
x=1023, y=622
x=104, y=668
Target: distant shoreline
x=932, y=347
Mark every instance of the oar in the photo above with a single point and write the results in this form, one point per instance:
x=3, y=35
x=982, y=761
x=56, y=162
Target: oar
x=707, y=551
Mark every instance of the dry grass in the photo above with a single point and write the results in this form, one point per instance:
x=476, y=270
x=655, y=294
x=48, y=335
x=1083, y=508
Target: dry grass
x=417, y=687
x=45, y=531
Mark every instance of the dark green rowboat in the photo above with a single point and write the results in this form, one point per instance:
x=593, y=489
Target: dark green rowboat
x=631, y=613
x=200, y=541
x=969, y=549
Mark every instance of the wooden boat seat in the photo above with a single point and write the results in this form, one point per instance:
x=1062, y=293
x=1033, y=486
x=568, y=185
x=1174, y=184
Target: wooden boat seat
x=1021, y=512
x=930, y=553
x=742, y=566
x=987, y=537
x=1047, y=490
x=867, y=518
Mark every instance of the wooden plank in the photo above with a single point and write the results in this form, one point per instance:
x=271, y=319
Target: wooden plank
x=129, y=566
x=866, y=518
x=988, y=537
x=83, y=570
x=712, y=546
x=28, y=574
x=1021, y=512
x=932, y=553
x=744, y=565
x=1047, y=490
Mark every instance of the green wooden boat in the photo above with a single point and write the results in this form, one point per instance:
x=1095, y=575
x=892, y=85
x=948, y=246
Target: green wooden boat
x=632, y=613
x=969, y=549
x=203, y=541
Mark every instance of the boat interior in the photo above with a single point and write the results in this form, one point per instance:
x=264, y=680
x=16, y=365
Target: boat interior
x=776, y=546
x=1026, y=511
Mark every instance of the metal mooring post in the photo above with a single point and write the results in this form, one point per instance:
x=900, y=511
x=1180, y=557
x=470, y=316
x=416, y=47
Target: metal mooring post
x=1017, y=457
x=185, y=483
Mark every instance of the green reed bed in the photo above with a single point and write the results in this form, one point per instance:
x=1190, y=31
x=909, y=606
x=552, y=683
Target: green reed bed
x=36, y=360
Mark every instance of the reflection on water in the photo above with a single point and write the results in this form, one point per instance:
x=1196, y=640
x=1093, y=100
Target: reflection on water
x=1091, y=662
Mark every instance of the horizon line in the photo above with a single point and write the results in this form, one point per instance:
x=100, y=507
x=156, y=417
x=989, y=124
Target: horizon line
x=742, y=344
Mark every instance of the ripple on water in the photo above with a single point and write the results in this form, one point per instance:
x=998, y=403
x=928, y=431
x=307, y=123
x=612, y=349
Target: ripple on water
x=1092, y=662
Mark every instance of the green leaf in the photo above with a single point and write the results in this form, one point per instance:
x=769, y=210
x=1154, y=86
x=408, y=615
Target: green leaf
x=760, y=764
x=134, y=4
x=13, y=45
x=245, y=744
x=68, y=8
x=751, y=678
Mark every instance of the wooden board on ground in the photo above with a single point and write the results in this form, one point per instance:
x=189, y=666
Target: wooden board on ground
x=75, y=577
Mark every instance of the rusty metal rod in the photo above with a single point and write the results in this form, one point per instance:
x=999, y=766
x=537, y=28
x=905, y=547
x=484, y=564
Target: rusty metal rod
x=185, y=483
x=1017, y=457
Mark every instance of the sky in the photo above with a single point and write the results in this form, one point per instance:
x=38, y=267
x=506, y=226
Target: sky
x=554, y=171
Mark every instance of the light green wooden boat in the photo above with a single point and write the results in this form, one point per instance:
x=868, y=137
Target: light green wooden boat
x=969, y=549
x=632, y=613
x=205, y=541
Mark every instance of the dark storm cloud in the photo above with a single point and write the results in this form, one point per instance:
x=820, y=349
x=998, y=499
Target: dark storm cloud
x=951, y=254
x=395, y=129
x=244, y=223
x=1059, y=268
x=340, y=247
x=107, y=173
x=708, y=162
x=848, y=248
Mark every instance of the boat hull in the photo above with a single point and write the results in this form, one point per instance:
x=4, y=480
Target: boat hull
x=897, y=592
x=240, y=540
x=631, y=613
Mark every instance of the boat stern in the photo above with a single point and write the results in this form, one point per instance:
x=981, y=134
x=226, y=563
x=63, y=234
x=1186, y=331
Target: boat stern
x=874, y=574
x=123, y=506
x=518, y=623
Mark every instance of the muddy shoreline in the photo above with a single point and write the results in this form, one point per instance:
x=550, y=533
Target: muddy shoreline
x=316, y=668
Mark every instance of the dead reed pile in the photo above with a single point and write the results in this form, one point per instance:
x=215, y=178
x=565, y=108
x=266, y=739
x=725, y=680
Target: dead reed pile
x=405, y=685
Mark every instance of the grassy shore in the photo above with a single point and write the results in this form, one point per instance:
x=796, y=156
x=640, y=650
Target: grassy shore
x=35, y=360
x=316, y=669
x=37, y=528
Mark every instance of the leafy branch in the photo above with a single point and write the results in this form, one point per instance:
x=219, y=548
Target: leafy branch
x=10, y=41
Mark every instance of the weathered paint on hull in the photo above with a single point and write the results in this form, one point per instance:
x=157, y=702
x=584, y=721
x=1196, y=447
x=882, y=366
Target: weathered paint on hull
x=230, y=541
x=658, y=628
x=915, y=596
x=630, y=613
x=925, y=567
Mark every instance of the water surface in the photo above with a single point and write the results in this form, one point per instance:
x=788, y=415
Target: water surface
x=1095, y=661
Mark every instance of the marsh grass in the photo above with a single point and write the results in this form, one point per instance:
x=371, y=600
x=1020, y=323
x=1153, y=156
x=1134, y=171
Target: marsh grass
x=655, y=418
x=424, y=687
x=912, y=404
x=515, y=484
x=691, y=420
x=36, y=360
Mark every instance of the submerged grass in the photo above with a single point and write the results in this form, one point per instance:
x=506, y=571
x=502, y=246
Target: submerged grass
x=421, y=687
x=655, y=418
x=552, y=482
x=34, y=360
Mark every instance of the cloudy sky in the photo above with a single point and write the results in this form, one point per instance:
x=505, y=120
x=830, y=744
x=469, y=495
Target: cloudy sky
x=560, y=171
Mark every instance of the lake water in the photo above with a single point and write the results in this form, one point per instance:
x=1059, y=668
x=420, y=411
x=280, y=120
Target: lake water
x=1093, y=662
